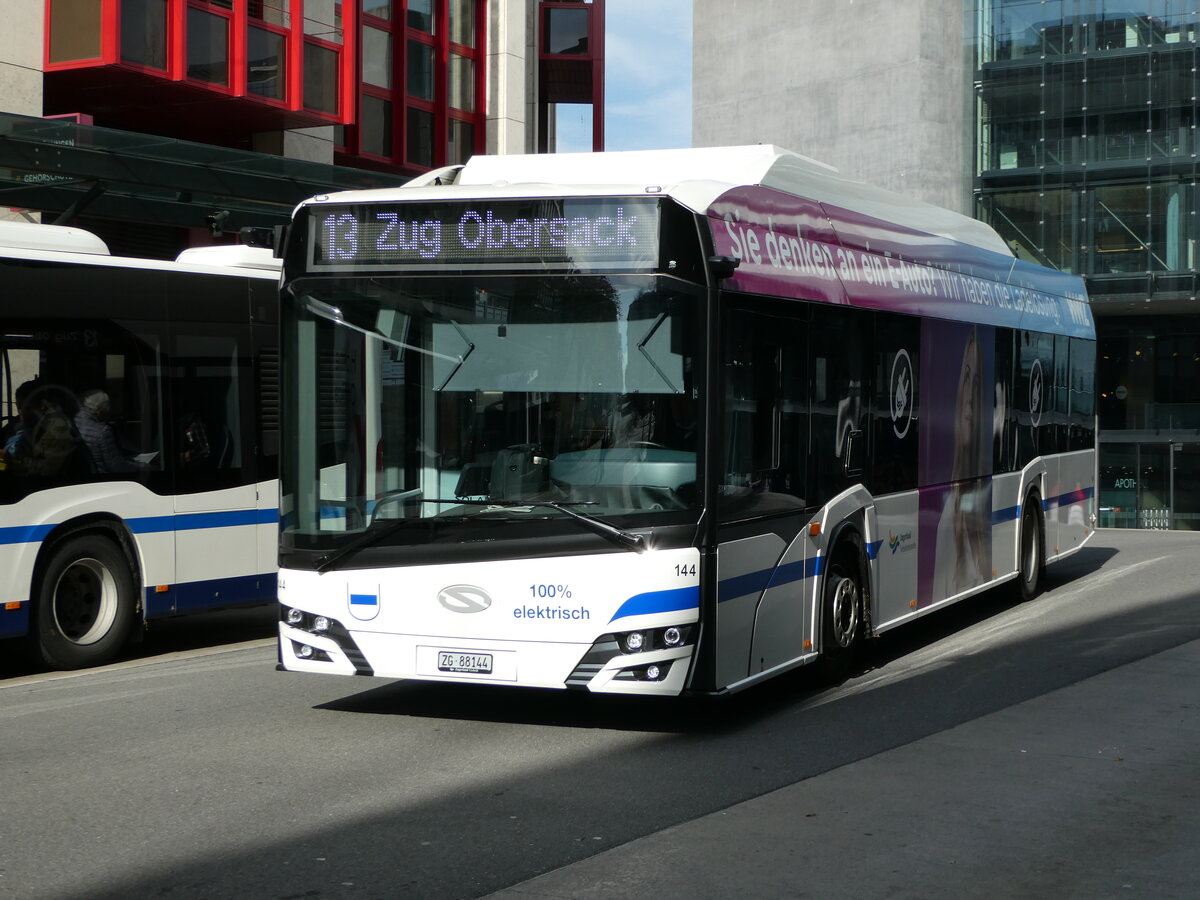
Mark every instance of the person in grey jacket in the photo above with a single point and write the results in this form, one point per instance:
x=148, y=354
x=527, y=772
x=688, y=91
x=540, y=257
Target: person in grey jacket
x=97, y=434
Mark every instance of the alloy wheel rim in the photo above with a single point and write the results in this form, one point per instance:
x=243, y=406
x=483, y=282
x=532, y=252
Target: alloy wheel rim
x=85, y=601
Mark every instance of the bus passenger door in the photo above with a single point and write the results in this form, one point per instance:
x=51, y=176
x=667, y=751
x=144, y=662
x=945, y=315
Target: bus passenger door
x=216, y=495
x=761, y=505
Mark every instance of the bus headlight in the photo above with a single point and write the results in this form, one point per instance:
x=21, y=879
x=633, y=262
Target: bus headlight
x=320, y=623
x=294, y=616
x=670, y=638
x=304, y=651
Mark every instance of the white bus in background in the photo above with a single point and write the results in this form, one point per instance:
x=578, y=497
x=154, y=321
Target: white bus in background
x=139, y=438
x=662, y=422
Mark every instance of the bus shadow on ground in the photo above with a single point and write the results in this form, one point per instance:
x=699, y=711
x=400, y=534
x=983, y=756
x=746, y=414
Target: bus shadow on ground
x=695, y=715
x=197, y=631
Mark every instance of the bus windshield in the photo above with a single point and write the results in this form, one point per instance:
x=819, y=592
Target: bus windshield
x=490, y=398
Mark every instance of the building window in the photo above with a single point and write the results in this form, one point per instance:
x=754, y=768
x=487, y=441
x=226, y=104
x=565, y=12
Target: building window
x=566, y=30
x=462, y=22
x=420, y=137
x=420, y=70
x=74, y=30
x=320, y=77
x=420, y=15
x=144, y=33
x=462, y=83
x=266, y=54
x=381, y=9
x=375, y=129
x=461, y=142
x=207, y=46
x=376, y=57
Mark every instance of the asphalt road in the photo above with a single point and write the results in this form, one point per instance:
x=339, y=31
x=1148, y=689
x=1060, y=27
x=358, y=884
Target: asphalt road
x=192, y=772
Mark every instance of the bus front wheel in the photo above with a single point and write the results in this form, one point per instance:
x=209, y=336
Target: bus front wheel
x=1031, y=550
x=85, y=603
x=841, y=613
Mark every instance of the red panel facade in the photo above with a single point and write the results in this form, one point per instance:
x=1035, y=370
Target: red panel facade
x=220, y=71
x=571, y=59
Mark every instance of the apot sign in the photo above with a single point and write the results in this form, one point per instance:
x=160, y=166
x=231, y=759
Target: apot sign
x=555, y=234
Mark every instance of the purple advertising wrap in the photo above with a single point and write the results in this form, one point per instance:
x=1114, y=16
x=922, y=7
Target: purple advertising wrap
x=958, y=387
x=793, y=247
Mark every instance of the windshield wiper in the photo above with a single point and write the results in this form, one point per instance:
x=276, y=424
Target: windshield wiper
x=630, y=541
x=371, y=536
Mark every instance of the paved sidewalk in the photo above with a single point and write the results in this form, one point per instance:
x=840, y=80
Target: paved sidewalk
x=1092, y=791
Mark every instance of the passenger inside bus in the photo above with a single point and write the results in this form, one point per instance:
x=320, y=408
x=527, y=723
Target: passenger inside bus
x=92, y=422
x=44, y=442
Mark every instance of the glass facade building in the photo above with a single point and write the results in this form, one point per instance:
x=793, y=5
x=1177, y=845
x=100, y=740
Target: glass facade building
x=1086, y=160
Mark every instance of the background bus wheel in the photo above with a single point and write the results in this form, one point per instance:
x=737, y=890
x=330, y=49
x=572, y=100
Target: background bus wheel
x=85, y=603
x=1031, y=550
x=841, y=614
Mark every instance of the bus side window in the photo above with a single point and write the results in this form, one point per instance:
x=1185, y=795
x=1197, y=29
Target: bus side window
x=896, y=414
x=1083, y=398
x=1035, y=397
x=766, y=414
x=1004, y=418
x=210, y=383
x=839, y=399
x=92, y=383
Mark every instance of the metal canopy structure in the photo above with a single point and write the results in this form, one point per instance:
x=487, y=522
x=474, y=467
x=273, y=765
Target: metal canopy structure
x=63, y=168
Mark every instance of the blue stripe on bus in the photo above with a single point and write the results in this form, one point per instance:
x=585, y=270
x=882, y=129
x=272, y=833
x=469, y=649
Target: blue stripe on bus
x=364, y=599
x=652, y=602
x=741, y=585
x=1079, y=495
x=1012, y=513
x=32, y=534
x=24, y=534
x=757, y=582
x=194, y=596
x=1008, y=514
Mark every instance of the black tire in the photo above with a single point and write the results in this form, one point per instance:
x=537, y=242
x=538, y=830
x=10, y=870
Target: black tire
x=1031, y=550
x=84, y=602
x=841, y=613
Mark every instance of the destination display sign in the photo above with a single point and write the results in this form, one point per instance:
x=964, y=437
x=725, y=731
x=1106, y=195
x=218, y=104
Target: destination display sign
x=607, y=233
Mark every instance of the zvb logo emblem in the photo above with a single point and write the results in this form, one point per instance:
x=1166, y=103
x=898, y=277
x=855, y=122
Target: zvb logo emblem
x=902, y=393
x=464, y=598
x=1035, y=393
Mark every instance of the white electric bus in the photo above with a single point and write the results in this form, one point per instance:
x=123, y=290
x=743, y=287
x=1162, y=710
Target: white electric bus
x=138, y=438
x=661, y=422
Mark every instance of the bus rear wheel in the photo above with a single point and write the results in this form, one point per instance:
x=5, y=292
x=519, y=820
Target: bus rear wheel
x=84, y=603
x=1031, y=550
x=841, y=614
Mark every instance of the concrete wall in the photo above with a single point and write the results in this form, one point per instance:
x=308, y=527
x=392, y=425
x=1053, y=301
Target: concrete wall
x=21, y=66
x=511, y=76
x=881, y=89
x=21, y=57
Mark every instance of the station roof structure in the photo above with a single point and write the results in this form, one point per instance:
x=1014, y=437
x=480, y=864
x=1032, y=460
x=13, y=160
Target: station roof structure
x=61, y=167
